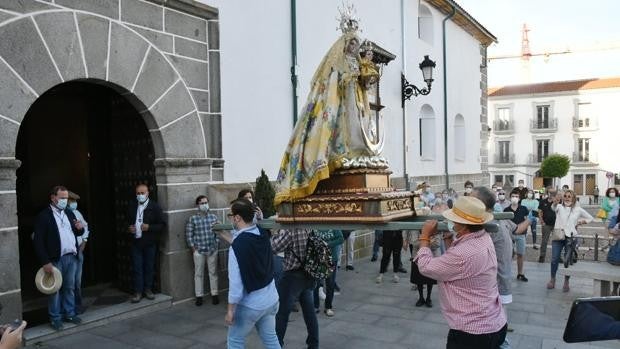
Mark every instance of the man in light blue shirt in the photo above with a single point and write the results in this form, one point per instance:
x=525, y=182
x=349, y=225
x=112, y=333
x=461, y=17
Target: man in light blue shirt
x=252, y=295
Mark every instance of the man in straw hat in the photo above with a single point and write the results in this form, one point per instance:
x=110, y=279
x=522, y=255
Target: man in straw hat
x=467, y=277
x=55, y=242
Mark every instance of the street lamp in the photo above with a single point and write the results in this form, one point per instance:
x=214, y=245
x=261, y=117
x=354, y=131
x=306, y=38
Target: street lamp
x=409, y=90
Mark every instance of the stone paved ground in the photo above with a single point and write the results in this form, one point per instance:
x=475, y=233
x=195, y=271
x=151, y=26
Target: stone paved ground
x=367, y=316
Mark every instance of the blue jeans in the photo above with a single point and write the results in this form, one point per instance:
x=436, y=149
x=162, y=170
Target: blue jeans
x=612, y=222
x=295, y=285
x=375, y=245
x=247, y=318
x=78, y=280
x=62, y=303
x=277, y=268
x=557, y=246
x=143, y=258
x=533, y=221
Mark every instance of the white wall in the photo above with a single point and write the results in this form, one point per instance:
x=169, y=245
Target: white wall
x=256, y=87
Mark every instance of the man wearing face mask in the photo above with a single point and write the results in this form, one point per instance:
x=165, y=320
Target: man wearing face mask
x=55, y=244
x=523, y=190
x=81, y=241
x=469, y=186
x=520, y=219
x=204, y=243
x=146, y=222
x=502, y=203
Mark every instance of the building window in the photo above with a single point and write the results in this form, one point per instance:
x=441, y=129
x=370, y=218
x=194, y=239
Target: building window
x=542, y=149
x=584, y=111
x=425, y=24
x=505, y=181
x=503, y=119
x=459, y=138
x=503, y=152
x=542, y=116
x=583, y=149
x=427, y=134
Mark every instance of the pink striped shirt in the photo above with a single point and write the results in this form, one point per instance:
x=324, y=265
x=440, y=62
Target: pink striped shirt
x=467, y=277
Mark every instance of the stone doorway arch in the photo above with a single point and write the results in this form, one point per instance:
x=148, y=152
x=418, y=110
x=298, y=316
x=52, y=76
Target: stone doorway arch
x=46, y=48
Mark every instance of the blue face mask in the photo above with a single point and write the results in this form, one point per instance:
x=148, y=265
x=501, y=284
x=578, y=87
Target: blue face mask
x=450, y=225
x=62, y=203
x=141, y=198
x=73, y=206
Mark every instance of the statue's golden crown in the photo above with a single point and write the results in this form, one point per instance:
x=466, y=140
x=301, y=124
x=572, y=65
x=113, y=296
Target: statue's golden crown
x=349, y=22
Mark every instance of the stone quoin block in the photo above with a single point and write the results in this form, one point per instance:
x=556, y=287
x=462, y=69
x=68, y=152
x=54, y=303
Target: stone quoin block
x=173, y=283
x=142, y=13
x=176, y=103
x=212, y=125
x=108, y=8
x=126, y=54
x=184, y=25
x=214, y=35
x=214, y=81
x=190, y=48
x=160, y=40
x=156, y=76
x=193, y=72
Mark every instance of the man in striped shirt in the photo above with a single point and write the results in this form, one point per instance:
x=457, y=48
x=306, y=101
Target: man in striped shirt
x=467, y=277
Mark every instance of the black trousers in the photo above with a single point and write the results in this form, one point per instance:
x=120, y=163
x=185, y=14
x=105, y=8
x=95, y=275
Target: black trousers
x=463, y=340
x=392, y=243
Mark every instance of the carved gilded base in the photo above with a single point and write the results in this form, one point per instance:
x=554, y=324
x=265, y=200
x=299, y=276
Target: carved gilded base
x=362, y=207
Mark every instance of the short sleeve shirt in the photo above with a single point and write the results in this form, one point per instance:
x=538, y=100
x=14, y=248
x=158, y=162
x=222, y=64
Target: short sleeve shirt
x=520, y=214
x=547, y=210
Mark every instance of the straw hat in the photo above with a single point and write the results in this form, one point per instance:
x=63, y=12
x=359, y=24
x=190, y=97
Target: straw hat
x=468, y=210
x=48, y=283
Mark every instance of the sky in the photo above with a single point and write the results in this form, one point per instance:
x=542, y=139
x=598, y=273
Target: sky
x=554, y=26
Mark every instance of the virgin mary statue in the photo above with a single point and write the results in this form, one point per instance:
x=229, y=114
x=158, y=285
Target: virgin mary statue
x=335, y=129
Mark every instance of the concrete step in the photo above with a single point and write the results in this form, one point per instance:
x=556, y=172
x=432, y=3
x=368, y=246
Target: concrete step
x=99, y=317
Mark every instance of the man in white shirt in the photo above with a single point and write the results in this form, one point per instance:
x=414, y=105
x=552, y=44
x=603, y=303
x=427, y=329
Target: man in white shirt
x=81, y=242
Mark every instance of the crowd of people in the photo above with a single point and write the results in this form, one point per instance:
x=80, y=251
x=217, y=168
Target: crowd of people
x=266, y=269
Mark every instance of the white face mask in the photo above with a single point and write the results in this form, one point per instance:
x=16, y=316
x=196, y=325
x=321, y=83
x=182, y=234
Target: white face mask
x=62, y=203
x=468, y=190
x=612, y=195
x=530, y=195
x=514, y=201
x=501, y=196
x=204, y=207
x=438, y=202
x=520, y=185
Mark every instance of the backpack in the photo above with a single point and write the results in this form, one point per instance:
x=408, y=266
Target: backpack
x=613, y=256
x=318, y=263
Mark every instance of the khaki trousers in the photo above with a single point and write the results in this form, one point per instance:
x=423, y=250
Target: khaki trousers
x=199, y=272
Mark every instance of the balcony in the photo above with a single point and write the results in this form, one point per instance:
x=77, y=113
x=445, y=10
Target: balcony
x=503, y=126
x=539, y=126
x=504, y=159
x=535, y=159
x=580, y=158
x=585, y=124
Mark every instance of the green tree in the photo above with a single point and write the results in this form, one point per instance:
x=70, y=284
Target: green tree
x=555, y=166
x=265, y=193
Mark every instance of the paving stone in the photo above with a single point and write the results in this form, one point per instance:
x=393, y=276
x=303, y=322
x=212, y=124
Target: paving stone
x=184, y=25
x=127, y=51
x=108, y=8
x=142, y=13
x=65, y=48
x=90, y=341
x=94, y=32
x=156, y=77
x=30, y=60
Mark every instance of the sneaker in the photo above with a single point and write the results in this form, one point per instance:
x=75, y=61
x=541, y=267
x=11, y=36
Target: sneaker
x=56, y=325
x=379, y=279
x=535, y=247
x=73, y=319
x=149, y=295
x=198, y=301
x=215, y=300
x=336, y=293
x=322, y=294
x=329, y=312
x=395, y=278
x=350, y=267
x=136, y=298
x=429, y=303
x=521, y=277
x=420, y=302
x=373, y=259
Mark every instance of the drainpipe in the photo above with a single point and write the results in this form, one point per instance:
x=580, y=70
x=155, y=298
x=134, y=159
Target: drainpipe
x=404, y=73
x=294, y=57
x=445, y=94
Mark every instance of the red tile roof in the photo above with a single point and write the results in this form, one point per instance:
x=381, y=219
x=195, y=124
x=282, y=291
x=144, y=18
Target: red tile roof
x=555, y=86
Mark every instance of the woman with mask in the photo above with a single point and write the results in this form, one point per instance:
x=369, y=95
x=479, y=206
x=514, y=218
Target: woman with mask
x=567, y=217
x=204, y=245
x=467, y=277
x=532, y=205
x=610, y=205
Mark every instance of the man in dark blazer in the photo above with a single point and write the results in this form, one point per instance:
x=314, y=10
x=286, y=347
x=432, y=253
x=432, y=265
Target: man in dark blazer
x=146, y=222
x=55, y=244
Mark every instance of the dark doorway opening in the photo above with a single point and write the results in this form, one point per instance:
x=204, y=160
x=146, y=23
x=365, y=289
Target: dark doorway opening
x=90, y=138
